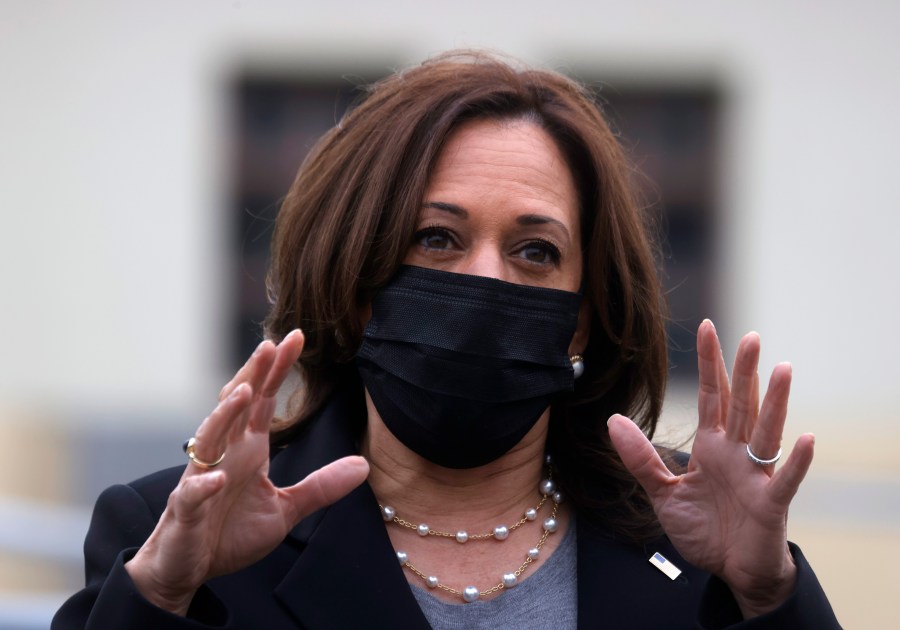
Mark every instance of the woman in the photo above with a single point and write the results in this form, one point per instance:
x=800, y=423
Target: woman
x=477, y=296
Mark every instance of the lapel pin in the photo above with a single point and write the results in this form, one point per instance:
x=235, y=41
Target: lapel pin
x=662, y=563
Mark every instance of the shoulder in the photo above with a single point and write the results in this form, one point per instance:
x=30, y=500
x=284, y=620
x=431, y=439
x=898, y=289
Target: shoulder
x=155, y=488
x=125, y=514
x=152, y=491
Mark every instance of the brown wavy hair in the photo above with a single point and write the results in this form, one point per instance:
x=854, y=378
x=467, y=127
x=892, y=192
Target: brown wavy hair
x=349, y=218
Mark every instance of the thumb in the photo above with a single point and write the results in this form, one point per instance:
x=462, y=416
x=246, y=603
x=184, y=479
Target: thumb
x=638, y=454
x=326, y=485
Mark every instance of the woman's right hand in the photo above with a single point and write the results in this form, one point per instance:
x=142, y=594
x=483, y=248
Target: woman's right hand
x=220, y=520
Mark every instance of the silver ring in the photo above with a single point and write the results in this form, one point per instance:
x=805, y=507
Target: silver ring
x=759, y=461
x=189, y=446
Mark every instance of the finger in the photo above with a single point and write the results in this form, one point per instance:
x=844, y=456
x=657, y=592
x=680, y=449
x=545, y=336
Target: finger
x=241, y=376
x=639, y=455
x=244, y=419
x=713, y=396
x=260, y=416
x=189, y=498
x=325, y=486
x=262, y=365
x=787, y=480
x=286, y=355
x=765, y=439
x=724, y=381
x=253, y=371
x=213, y=433
x=742, y=408
x=754, y=389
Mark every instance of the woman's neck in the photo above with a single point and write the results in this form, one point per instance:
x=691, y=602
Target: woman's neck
x=472, y=500
x=448, y=498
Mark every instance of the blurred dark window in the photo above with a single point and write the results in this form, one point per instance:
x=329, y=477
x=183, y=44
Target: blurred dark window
x=672, y=137
x=670, y=134
x=278, y=121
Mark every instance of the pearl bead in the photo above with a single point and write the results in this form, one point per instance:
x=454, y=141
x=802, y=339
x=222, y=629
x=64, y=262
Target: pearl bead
x=470, y=594
x=510, y=580
x=531, y=514
x=402, y=557
x=547, y=487
x=577, y=368
x=501, y=532
x=548, y=459
x=422, y=529
x=558, y=497
x=550, y=525
x=533, y=553
x=432, y=581
x=388, y=513
x=462, y=536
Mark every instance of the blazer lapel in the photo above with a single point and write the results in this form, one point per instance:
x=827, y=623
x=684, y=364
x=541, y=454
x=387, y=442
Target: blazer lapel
x=347, y=574
x=618, y=587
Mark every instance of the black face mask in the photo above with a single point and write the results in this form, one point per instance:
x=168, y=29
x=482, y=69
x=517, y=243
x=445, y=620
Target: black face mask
x=461, y=367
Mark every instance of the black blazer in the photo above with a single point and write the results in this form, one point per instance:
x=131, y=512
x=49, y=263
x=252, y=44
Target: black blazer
x=337, y=568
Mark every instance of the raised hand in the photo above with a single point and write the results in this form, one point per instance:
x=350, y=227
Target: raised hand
x=219, y=520
x=727, y=514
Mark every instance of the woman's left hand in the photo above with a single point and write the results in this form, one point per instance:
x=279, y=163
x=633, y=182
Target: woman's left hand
x=726, y=514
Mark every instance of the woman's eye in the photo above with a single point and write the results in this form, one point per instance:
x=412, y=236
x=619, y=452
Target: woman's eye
x=540, y=252
x=434, y=238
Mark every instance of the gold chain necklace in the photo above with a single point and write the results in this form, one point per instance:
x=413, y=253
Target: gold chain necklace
x=501, y=532
x=547, y=488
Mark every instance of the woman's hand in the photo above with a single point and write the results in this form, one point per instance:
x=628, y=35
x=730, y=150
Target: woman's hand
x=726, y=514
x=223, y=519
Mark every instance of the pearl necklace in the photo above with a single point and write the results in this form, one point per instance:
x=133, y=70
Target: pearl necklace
x=547, y=488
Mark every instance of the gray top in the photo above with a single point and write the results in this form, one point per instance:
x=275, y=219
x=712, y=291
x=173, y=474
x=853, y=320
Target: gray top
x=546, y=599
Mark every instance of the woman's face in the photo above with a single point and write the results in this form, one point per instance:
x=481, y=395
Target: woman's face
x=501, y=202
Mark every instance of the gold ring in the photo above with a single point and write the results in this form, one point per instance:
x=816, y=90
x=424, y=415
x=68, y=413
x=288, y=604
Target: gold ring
x=189, y=449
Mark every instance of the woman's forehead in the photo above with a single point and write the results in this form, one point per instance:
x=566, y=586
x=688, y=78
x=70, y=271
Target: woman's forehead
x=514, y=163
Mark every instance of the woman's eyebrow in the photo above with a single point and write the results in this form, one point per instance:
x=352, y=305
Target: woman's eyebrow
x=452, y=208
x=540, y=219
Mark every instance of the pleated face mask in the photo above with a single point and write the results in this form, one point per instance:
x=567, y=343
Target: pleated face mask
x=461, y=367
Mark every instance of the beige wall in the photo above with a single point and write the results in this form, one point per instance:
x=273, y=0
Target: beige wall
x=113, y=164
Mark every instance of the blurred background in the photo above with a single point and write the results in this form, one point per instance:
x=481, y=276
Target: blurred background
x=144, y=149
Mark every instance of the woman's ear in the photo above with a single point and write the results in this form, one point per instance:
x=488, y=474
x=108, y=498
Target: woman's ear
x=364, y=312
x=583, y=329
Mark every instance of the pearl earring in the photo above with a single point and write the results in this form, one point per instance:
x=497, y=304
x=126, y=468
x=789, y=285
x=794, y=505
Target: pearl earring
x=577, y=364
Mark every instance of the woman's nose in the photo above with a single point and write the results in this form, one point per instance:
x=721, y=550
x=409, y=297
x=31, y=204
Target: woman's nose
x=485, y=261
